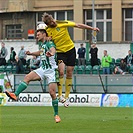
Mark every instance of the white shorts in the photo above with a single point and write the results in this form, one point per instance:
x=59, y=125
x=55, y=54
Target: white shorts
x=51, y=75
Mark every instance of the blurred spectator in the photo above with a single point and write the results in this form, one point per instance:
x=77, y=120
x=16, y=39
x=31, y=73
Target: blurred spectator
x=93, y=52
x=19, y=66
x=1, y=88
x=81, y=53
x=22, y=55
x=106, y=60
x=129, y=59
x=12, y=56
x=34, y=63
x=3, y=54
x=122, y=68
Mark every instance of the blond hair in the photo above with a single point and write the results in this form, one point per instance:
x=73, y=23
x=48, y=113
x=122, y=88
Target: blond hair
x=46, y=18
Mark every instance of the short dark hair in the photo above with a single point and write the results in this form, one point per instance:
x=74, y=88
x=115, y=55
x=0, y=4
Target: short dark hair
x=42, y=31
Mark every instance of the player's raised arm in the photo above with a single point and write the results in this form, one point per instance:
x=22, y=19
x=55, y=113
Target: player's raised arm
x=84, y=26
x=51, y=52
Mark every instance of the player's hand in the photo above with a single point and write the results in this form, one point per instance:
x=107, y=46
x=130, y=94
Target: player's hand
x=49, y=54
x=28, y=52
x=96, y=29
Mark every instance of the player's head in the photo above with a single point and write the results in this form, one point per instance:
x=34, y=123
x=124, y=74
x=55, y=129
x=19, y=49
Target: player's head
x=48, y=20
x=41, y=35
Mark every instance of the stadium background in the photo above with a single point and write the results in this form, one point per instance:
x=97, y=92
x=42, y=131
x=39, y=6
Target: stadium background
x=113, y=17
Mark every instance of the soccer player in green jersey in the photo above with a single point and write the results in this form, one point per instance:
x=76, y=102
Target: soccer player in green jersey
x=48, y=70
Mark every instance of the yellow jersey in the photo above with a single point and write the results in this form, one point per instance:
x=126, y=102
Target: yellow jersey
x=61, y=37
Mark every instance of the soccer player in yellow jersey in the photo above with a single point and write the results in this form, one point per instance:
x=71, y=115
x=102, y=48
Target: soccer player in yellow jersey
x=66, y=53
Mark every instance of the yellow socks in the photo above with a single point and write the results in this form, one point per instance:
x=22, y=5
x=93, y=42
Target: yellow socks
x=60, y=86
x=68, y=85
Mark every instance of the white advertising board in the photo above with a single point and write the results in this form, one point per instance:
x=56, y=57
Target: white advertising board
x=41, y=99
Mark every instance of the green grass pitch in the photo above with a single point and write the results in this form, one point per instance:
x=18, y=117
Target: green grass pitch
x=33, y=119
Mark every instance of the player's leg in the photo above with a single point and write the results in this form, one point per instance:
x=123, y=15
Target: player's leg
x=53, y=78
x=32, y=76
x=61, y=57
x=68, y=82
x=61, y=67
x=71, y=59
x=52, y=92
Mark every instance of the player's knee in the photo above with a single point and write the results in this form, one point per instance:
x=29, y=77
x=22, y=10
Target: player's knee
x=69, y=74
x=27, y=79
x=52, y=93
x=61, y=73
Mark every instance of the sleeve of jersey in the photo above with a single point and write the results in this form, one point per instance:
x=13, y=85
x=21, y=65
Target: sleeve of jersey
x=51, y=44
x=68, y=24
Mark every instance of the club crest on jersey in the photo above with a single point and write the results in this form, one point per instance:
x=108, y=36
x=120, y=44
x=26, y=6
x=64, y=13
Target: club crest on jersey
x=43, y=47
x=58, y=29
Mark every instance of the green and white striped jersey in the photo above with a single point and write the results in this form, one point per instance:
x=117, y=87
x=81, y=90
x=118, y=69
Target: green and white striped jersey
x=47, y=62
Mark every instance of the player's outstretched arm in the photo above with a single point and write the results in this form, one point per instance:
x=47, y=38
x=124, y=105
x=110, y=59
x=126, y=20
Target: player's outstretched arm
x=84, y=26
